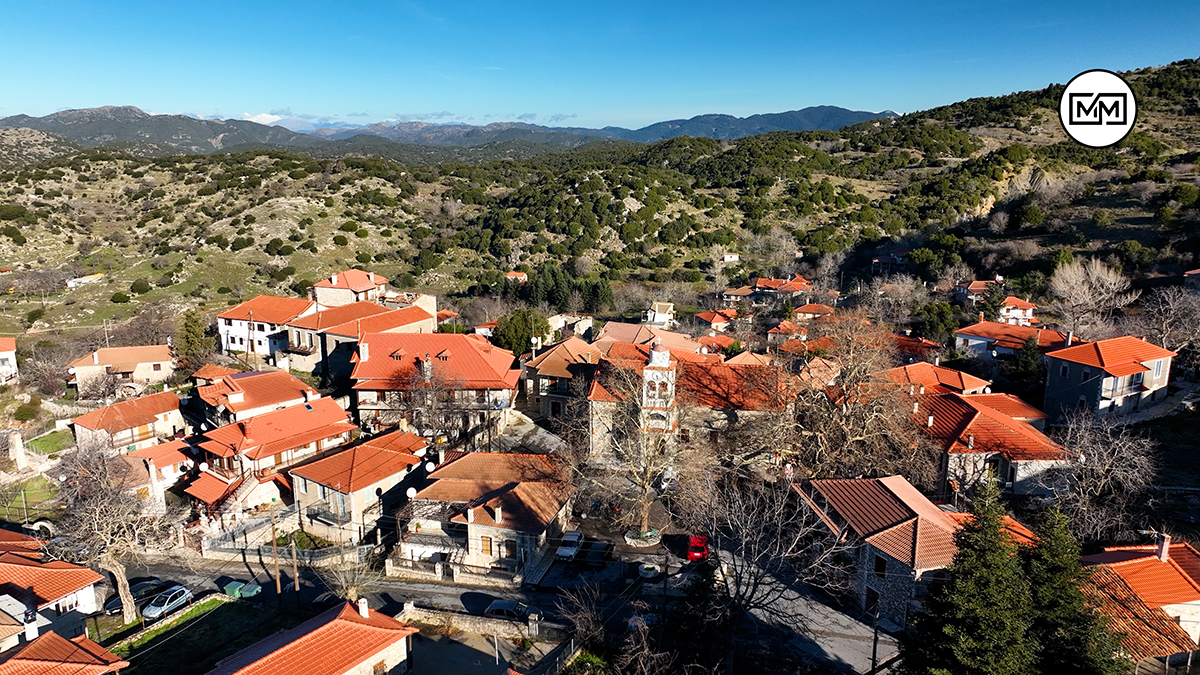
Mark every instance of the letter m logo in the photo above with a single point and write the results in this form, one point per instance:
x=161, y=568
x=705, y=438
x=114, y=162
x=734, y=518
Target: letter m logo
x=1097, y=109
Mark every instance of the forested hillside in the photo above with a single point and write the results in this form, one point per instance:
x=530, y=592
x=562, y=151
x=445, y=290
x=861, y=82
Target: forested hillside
x=990, y=182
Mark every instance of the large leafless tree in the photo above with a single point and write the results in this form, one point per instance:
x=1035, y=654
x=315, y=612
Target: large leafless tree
x=1088, y=293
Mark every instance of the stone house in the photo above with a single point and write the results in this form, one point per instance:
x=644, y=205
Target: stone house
x=1114, y=376
x=133, y=424
x=129, y=369
x=259, y=325
x=1146, y=632
x=558, y=374
x=344, y=288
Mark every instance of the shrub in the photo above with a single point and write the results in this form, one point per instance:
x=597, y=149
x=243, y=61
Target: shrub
x=340, y=240
x=34, y=315
x=140, y=286
x=25, y=412
x=363, y=258
x=241, y=243
x=224, y=290
x=362, y=234
x=348, y=226
x=119, y=298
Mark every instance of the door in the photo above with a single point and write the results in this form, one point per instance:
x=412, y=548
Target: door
x=510, y=548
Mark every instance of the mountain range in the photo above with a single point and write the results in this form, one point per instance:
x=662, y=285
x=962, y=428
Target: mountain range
x=136, y=131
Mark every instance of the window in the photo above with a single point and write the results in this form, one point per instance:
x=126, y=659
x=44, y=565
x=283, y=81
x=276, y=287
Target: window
x=228, y=322
x=880, y=566
x=1085, y=375
x=304, y=486
x=1064, y=370
x=156, y=367
x=872, y=604
x=510, y=548
x=485, y=545
x=1158, y=368
x=1136, y=379
x=261, y=328
x=379, y=668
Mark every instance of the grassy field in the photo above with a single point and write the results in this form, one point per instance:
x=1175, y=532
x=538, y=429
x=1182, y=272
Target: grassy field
x=192, y=642
x=55, y=441
x=39, y=497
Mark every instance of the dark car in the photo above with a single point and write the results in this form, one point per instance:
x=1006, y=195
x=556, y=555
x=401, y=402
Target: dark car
x=509, y=609
x=141, y=591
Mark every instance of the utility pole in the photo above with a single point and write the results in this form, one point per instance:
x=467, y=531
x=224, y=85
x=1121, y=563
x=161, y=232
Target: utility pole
x=275, y=556
x=875, y=645
x=24, y=504
x=295, y=572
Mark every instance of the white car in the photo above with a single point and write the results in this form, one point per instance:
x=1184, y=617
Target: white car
x=571, y=542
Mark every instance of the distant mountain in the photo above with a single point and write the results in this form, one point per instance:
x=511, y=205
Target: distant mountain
x=19, y=147
x=728, y=127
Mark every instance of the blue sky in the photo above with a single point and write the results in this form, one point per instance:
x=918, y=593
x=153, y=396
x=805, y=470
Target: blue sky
x=612, y=63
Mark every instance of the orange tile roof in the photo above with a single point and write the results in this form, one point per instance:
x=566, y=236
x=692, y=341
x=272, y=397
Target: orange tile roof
x=278, y=431
x=337, y=316
x=128, y=414
x=744, y=290
x=516, y=275
x=961, y=421
x=125, y=359
x=814, y=308
x=365, y=464
x=25, y=577
x=793, y=283
x=721, y=386
x=210, y=488
x=17, y=541
x=460, y=361
x=1011, y=336
x=531, y=489
x=978, y=286
x=355, y=280
x=563, y=358
x=211, y=371
x=1018, y=534
x=166, y=454
x=268, y=309
x=52, y=654
x=1117, y=356
x=915, y=346
x=336, y=641
x=597, y=392
x=259, y=388
x=1011, y=405
x=1018, y=303
x=380, y=323
x=639, y=334
x=718, y=316
x=1156, y=582
x=749, y=358
x=935, y=379
x=8, y=344
x=444, y=315
x=715, y=343
x=1144, y=631
x=786, y=327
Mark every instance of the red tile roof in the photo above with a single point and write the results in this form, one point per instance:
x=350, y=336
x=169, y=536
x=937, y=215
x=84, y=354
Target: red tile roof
x=786, y=327
x=259, y=388
x=17, y=541
x=8, y=344
x=52, y=654
x=717, y=317
x=211, y=371
x=722, y=386
x=125, y=359
x=1117, y=356
x=268, y=309
x=444, y=315
x=815, y=309
x=25, y=577
x=563, y=358
x=935, y=379
x=639, y=334
x=1013, y=337
x=977, y=287
x=715, y=343
x=334, y=642
x=1156, y=582
x=128, y=414
x=1018, y=303
x=355, y=280
x=915, y=346
x=460, y=361
x=749, y=358
x=966, y=423
x=381, y=323
x=165, y=454
x=793, y=283
x=1144, y=631
x=210, y=488
x=278, y=431
x=365, y=464
x=1011, y=405
x=337, y=316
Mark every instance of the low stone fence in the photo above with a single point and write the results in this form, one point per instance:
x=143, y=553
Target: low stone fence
x=535, y=627
x=414, y=569
x=169, y=621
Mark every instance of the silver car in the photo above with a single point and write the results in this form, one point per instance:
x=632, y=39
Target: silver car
x=166, y=602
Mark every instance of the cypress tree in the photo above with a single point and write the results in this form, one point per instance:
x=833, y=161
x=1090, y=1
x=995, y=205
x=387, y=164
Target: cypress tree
x=192, y=344
x=1075, y=640
x=978, y=621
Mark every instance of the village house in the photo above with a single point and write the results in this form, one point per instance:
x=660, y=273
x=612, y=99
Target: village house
x=156, y=470
x=446, y=316
x=719, y=320
x=131, y=425
x=1114, y=376
x=660, y=315
x=306, y=347
x=616, y=331
x=242, y=464
x=516, y=277
x=124, y=370
x=1164, y=575
x=891, y=261
x=209, y=373
x=785, y=330
x=259, y=325
x=923, y=377
x=811, y=311
x=488, y=509
x=241, y=395
x=991, y=339
x=342, y=496
x=344, y=288
x=487, y=329
x=967, y=293
x=989, y=434
x=339, y=342
x=736, y=296
x=348, y=639
x=792, y=286
x=442, y=385
x=559, y=374
x=53, y=654
x=901, y=541
x=1017, y=311
x=570, y=325
x=38, y=595
x=8, y=361
x=715, y=343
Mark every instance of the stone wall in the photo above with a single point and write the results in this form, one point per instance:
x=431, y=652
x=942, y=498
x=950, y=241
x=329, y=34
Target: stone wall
x=504, y=628
x=895, y=587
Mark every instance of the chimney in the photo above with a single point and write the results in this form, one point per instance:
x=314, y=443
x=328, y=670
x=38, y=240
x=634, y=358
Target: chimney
x=937, y=360
x=96, y=358
x=236, y=396
x=363, y=611
x=16, y=449
x=31, y=628
x=1070, y=337
x=497, y=515
x=1164, y=547
x=981, y=317
x=371, y=277
x=333, y=279
x=970, y=441
x=310, y=395
x=912, y=389
x=916, y=407
x=922, y=390
x=470, y=515
x=362, y=352
x=427, y=368
x=929, y=422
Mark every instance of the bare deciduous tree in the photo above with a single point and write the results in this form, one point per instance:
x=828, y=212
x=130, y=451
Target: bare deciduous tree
x=1088, y=292
x=1102, y=487
x=1170, y=317
x=349, y=579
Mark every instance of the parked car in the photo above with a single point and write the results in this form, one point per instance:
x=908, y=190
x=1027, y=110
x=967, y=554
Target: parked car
x=697, y=547
x=639, y=621
x=509, y=609
x=326, y=600
x=166, y=602
x=142, y=590
x=571, y=541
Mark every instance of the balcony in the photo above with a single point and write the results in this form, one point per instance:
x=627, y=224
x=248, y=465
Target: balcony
x=305, y=350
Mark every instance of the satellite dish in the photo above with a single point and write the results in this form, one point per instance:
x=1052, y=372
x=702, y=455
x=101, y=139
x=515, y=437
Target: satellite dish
x=204, y=426
x=430, y=466
x=204, y=466
x=411, y=492
x=987, y=390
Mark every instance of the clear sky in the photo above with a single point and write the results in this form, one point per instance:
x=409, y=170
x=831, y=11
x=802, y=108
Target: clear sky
x=561, y=63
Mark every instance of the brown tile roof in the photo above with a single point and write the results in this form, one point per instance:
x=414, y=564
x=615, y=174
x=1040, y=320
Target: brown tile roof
x=915, y=346
x=460, y=361
x=365, y=464
x=744, y=290
x=211, y=371
x=715, y=343
x=1156, y=582
x=17, y=541
x=977, y=287
x=52, y=654
x=749, y=358
x=966, y=423
x=128, y=414
x=721, y=386
x=355, y=280
x=1145, y=631
x=639, y=334
x=1008, y=404
x=935, y=379
x=1011, y=336
x=793, y=283
x=268, y=309
x=530, y=489
x=25, y=577
x=271, y=433
x=259, y=388
x=337, y=641
x=815, y=309
x=1119, y=356
x=125, y=359
x=337, y=316
x=564, y=358
x=786, y=327
x=381, y=323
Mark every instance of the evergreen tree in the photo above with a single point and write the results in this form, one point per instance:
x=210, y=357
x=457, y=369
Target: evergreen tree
x=1075, y=640
x=1025, y=375
x=978, y=621
x=515, y=331
x=192, y=343
x=992, y=301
